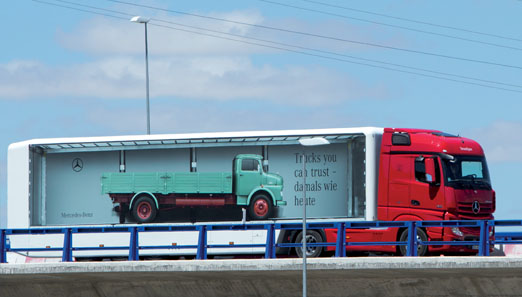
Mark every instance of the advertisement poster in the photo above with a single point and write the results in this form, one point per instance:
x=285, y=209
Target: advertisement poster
x=72, y=193
x=326, y=179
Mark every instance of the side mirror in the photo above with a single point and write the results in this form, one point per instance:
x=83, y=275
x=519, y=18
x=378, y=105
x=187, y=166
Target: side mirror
x=430, y=170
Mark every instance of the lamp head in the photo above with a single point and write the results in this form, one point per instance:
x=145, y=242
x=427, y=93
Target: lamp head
x=140, y=19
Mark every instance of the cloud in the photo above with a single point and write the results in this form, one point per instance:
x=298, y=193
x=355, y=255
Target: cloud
x=502, y=141
x=216, y=78
x=184, y=65
x=166, y=37
x=170, y=35
x=208, y=116
x=19, y=79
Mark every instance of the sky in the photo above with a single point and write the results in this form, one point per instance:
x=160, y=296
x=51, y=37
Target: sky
x=447, y=65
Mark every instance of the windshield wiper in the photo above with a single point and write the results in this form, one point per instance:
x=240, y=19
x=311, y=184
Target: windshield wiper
x=463, y=183
x=471, y=183
x=482, y=183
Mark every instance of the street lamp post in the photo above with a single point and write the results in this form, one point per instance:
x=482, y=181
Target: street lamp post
x=142, y=20
x=315, y=141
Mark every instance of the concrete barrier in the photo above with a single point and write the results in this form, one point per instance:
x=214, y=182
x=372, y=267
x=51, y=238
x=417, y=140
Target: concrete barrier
x=391, y=276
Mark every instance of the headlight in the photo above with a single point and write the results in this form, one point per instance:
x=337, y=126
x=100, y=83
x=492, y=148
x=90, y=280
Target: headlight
x=457, y=231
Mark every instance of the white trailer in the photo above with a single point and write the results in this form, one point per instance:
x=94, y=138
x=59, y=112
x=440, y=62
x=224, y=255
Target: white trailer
x=56, y=182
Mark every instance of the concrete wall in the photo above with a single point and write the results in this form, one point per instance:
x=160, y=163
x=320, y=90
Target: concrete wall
x=437, y=276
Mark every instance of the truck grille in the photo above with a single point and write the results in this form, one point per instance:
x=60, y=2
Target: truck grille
x=465, y=210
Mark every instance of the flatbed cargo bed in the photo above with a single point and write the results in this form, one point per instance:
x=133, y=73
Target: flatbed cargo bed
x=168, y=182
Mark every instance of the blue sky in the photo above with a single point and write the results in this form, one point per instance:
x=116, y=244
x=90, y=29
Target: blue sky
x=70, y=73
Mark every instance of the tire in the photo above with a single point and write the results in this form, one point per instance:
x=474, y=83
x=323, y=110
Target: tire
x=144, y=210
x=422, y=250
x=260, y=207
x=311, y=237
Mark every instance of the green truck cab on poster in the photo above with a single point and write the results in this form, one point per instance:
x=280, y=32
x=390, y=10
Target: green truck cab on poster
x=145, y=194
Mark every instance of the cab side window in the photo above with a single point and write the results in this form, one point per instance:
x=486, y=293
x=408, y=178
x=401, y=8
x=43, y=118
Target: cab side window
x=249, y=165
x=420, y=171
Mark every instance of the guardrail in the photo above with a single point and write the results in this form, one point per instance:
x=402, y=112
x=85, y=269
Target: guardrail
x=270, y=246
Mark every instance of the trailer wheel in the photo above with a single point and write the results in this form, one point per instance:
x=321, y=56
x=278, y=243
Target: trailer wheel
x=144, y=210
x=311, y=237
x=422, y=250
x=260, y=207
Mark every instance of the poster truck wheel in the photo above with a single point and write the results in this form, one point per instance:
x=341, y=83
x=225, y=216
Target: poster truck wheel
x=144, y=210
x=260, y=207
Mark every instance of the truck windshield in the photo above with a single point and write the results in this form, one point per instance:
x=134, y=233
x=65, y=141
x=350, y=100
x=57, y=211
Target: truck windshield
x=467, y=172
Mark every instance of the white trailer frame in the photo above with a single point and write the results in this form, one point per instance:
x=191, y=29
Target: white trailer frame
x=19, y=186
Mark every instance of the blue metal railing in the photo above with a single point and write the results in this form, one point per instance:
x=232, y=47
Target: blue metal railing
x=484, y=240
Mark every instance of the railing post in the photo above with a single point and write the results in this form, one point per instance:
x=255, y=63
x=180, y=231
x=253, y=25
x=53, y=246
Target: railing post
x=270, y=252
x=412, y=247
x=484, y=238
x=67, y=245
x=202, y=243
x=134, y=244
x=340, y=245
x=3, y=246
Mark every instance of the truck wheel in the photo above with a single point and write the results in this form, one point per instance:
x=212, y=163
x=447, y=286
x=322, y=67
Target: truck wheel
x=260, y=207
x=144, y=210
x=422, y=250
x=311, y=237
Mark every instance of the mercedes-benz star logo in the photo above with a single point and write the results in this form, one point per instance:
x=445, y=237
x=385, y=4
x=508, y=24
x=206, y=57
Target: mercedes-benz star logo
x=475, y=207
x=77, y=165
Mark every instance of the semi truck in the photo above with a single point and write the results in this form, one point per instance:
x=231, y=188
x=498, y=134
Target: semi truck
x=247, y=185
x=363, y=174
x=427, y=175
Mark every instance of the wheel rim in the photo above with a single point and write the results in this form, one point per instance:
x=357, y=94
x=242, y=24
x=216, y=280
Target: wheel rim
x=419, y=246
x=261, y=207
x=310, y=249
x=144, y=210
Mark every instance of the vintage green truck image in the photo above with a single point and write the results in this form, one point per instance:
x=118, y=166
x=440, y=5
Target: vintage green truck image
x=145, y=194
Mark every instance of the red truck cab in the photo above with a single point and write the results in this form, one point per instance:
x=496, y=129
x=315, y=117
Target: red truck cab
x=428, y=175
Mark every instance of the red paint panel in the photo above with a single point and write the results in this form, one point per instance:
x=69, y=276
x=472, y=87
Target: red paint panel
x=400, y=176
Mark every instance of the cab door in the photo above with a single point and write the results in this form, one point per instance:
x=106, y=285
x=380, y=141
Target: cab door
x=400, y=177
x=248, y=176
x=426, y=189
